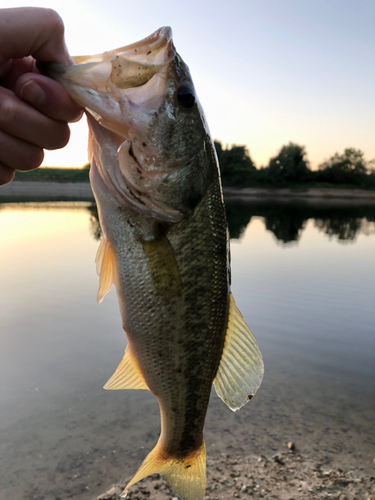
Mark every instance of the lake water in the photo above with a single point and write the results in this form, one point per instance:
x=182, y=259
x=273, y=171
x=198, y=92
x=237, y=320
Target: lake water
x=303, y=277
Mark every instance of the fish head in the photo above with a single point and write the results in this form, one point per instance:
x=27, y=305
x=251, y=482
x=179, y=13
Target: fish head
x=143, y=94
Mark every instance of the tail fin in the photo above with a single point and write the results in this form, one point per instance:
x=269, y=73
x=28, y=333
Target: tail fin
x=186, y=476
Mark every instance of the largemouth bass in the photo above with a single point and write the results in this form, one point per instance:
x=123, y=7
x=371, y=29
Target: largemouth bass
x=155, y=178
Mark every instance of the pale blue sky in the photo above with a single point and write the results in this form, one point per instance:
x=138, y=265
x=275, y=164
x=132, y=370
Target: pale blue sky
x=267, y=72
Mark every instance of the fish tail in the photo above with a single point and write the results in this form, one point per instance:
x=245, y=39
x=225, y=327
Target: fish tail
x=186, y=476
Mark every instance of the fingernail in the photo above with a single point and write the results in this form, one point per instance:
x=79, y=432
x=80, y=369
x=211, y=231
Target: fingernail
x=32, y=93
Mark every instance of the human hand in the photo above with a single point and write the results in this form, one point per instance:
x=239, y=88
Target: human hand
x=34, y=109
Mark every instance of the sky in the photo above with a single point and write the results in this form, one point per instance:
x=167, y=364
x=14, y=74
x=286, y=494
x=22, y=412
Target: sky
x=267, y=72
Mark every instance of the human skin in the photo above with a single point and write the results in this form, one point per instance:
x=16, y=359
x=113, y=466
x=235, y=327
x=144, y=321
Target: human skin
x=34, y=109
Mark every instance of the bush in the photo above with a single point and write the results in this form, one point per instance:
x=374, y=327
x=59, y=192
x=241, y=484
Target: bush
x=347, y=168
x=290, y=165
x=236, y=166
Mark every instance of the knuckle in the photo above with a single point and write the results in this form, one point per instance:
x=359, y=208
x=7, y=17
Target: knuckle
x=8, y=109
x=55, y=21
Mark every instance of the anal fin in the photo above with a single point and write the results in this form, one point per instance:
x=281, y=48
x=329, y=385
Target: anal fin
x=105, y=267
x=127, y=375
x=241, y=369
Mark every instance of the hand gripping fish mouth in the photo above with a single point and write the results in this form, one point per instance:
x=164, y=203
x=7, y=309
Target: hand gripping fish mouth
x=165, y=246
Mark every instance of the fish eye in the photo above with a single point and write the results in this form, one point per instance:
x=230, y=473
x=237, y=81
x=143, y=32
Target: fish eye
x=186, y=97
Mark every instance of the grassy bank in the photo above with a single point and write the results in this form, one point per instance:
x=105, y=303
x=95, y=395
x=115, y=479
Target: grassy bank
x=82, y=175
x=54, y=175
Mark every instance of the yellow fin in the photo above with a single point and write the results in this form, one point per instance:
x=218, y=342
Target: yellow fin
x=127, y=375
x=186, y=476
x=105, y=267
x=163, y=266
x=241, y=367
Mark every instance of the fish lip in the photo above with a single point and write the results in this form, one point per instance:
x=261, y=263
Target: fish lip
x=156, y=40
x=161, y=36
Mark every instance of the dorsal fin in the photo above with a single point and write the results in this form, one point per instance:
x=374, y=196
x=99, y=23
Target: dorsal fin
x=127, y=375
x=105, y=267
x=241, y=368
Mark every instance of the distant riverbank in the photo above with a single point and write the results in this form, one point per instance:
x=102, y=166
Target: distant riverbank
x=81, y=191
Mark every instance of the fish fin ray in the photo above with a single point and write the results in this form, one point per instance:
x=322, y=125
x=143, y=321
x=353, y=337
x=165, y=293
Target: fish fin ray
x=186, y=476
x=105, y=267
x=127, y=375
x=240, y=371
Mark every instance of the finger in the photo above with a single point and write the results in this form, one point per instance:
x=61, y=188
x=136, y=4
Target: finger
x=17, y=154
x=32, y=31
x=6, y=174
x=20, y=120
x=48, y=96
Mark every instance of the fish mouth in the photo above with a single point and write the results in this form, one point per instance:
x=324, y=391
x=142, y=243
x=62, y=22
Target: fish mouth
x=124, y=90
x=108, y=85
x=123, y=69
x=145, y=50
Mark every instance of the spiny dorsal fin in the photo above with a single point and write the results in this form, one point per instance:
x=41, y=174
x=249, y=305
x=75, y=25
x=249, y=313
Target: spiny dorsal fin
x=105, y=267
x=186, y=476
x=127, y=375
x=241, y=368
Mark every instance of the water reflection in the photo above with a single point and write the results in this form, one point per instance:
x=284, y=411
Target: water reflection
x=287, y=221
x=311, y=309
x=95, y=228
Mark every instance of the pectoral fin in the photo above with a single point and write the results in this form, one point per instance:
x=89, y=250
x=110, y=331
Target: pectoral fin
x=163, y=266
x=105, y=267
x=241, y=368
x=127, y=375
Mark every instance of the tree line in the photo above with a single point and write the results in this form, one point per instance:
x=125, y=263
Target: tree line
x=291, y=167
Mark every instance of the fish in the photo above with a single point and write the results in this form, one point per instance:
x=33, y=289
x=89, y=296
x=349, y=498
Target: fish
x=165, y=247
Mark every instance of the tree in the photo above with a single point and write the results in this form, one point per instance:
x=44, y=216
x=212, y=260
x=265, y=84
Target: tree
x=236, y=166
x=290, y=165
x=347, y=168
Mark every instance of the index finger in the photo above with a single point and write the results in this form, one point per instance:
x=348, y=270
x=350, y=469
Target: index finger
x=32, y=31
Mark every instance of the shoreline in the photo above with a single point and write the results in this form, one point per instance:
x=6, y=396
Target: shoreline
x=288, y=475
x=81, y=191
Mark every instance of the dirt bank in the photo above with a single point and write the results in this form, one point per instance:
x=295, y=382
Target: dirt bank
x=27, y=190
x=285, y=476
x=310, y=195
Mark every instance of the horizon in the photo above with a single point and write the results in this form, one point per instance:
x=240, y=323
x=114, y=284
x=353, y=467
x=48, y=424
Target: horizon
x=266, y=73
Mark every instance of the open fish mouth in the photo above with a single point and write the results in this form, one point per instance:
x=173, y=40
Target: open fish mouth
x=106, y=84
x=124, y=90
x=133, y=65
x=144, y=95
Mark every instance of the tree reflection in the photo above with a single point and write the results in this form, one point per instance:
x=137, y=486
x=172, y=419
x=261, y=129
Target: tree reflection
x=95, y=228
x=287, y=220
x=345, y=228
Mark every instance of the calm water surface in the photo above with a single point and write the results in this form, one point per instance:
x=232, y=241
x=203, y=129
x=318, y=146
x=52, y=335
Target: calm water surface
x=304, y=279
